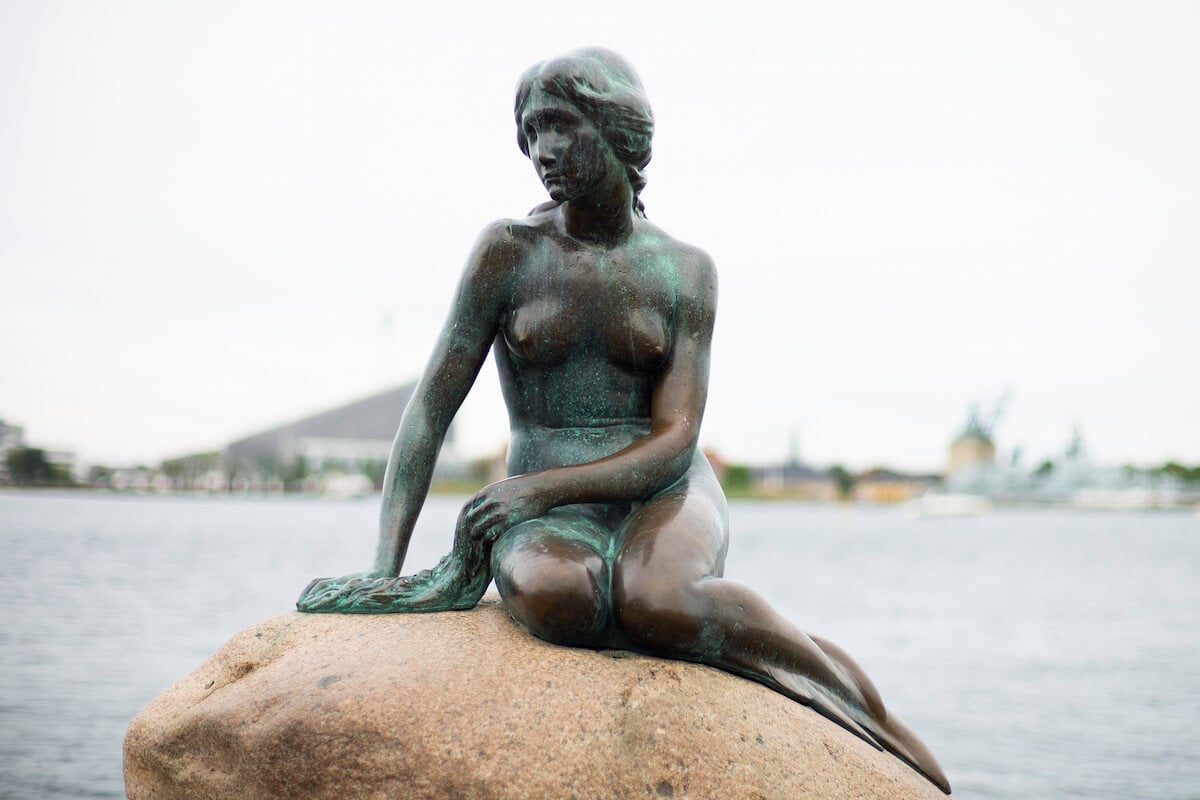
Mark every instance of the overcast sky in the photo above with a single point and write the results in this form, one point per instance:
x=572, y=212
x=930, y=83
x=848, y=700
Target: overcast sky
x=219, y=216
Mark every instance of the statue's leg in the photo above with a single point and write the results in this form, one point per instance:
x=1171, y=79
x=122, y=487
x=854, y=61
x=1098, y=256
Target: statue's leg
x=553, y=579
x=670, y=599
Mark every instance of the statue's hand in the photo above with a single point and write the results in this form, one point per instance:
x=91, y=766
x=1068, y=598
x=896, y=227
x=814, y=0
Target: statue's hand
x=324, y=592
x=500, y=506
x=452, y=584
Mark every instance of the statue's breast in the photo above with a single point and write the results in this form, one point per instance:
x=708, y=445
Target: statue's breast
x=553, y=328
x=569, y=302
x=541, y=331
x=637, y=340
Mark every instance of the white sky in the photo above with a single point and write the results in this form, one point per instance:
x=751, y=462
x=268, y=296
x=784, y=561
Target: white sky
x=219, y=216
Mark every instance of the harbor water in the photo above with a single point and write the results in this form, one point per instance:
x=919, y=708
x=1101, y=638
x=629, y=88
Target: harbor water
x=1040, y=653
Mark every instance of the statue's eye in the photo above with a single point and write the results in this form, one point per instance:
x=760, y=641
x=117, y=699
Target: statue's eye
x=530, y=133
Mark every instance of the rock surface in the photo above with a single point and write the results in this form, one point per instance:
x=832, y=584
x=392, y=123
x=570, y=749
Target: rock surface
x=469, y=705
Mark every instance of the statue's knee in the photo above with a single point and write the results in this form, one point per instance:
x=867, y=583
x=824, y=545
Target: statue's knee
x=657, y=613
x=559, y=601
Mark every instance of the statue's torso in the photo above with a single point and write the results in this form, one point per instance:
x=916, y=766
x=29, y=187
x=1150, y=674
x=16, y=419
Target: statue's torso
x=586, y=333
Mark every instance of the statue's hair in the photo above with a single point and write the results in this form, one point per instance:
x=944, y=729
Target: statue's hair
x=606, y=90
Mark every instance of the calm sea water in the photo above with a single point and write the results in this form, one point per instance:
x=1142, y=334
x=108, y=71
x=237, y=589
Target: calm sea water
x=1040, y=654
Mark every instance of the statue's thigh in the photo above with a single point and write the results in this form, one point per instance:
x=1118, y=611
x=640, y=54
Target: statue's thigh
x=679, y=537
x=569, y=533
x=553, y=577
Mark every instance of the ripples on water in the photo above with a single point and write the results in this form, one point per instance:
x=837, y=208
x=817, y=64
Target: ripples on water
x=1039, y=653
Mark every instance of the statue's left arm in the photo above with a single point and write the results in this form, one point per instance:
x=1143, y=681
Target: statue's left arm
x=650, y=464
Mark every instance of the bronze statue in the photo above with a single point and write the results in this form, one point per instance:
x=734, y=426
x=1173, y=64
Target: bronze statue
x=612, y=530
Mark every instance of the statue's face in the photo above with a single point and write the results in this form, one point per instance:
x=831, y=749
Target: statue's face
x=569, y=153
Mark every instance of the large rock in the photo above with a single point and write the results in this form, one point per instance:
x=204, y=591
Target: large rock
x=469, y=705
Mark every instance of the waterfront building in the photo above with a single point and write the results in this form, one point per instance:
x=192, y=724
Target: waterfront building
x=796, y=481
x=350, y=440
x=12, y=437
x=973, y=448
x=880, y=485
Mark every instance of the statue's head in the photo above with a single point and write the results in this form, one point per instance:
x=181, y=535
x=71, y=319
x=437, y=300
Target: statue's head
x=605, y=89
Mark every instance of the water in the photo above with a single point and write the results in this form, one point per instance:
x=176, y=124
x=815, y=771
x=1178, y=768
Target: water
x=1039, y=653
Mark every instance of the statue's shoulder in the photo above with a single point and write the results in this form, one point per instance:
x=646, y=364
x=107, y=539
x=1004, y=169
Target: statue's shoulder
x=516, y=231
x=693, y=263
x=504, y=244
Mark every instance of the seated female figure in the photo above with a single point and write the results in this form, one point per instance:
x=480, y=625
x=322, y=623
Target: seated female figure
x=612, y=530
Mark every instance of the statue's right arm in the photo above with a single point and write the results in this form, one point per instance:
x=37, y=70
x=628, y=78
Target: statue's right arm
x=474, y=319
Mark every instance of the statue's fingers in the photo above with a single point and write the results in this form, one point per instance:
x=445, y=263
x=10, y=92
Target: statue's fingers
x=326, y=600
x=462, y=528
x=314, y=586
x=367, y=586
x=389, y=587
x=387, y=593
x=471, y=517
x=317, y=591
x=417, y=577
x=343, y=590
x=482, y=524
x=486, y=508
x=313, y=601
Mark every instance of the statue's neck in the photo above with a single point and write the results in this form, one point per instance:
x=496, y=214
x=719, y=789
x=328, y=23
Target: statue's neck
x=604, y=216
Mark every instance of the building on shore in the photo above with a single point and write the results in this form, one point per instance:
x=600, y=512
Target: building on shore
x=332, y=450
x=974, y=449
x=882, y=485
x=57, y=467
x=12, y=437
x=796, y=481
x=1073, y=479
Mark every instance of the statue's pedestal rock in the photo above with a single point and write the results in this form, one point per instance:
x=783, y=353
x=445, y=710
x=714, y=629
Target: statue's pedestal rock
x=468, y=705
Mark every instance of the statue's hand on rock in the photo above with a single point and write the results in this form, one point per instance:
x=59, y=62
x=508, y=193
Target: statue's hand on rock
x=327, y=594
x=455, y=583
x=450, y=585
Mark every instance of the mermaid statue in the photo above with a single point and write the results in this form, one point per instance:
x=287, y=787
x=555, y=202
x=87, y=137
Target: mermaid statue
x=611, y=530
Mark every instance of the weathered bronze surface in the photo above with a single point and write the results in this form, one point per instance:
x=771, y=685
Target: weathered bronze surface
x=612, y=530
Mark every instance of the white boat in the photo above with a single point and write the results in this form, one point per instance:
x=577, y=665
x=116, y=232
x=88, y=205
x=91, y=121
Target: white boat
x=1130, y=499
x=942, y=504
x=345, y=486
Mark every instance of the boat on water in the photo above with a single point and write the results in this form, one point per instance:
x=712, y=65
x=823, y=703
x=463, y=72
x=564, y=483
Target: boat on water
x=946, y=504
x=1124, y=499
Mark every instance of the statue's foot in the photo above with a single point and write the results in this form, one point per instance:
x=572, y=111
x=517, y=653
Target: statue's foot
x=887, y=733
x=448, y=586
x=810, y=693
x=900, y=740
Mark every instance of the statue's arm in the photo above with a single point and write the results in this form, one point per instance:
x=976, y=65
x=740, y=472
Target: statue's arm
x=650, y=464
x=451, y=370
